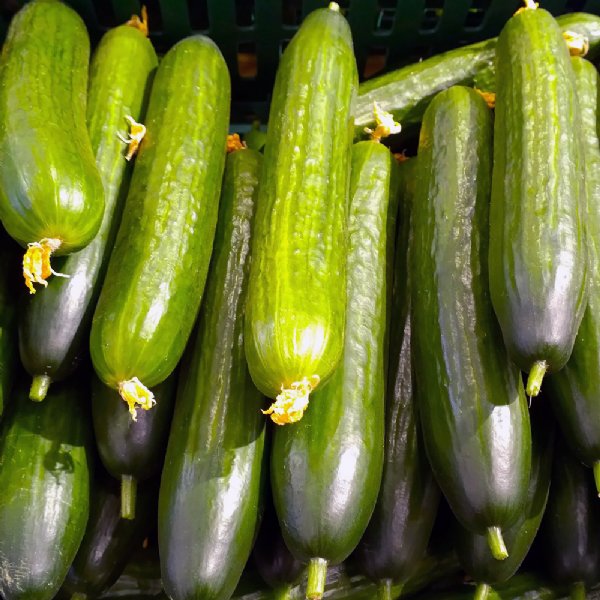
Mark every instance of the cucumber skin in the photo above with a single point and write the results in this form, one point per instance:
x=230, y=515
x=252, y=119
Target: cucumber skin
x=406, y=92
x=296, y=298
x=471, y=400
x=54, y=326
x=575, y=388
x=538, y=289
x=326, y=469
x=49, y=184
x=215, y=463
x=45, y=479
x=157, y=271
x=399, y=530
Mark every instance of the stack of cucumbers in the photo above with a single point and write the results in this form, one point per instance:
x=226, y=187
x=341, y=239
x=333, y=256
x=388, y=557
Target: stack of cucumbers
x=302, y=358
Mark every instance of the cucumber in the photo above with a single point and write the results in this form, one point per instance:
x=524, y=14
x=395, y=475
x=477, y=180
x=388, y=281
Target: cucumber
x=131, y=451
x=472, y=406
x=109, y=541
x=406, y=92
x=398, y=532
x=472, y=549
x=51, y=193
x=54, y=326
x=326, y=469
x=45, y=482
x=157, y=271
x=296, y=298
x=211, y=481
x=538, y=254
x=575, y=389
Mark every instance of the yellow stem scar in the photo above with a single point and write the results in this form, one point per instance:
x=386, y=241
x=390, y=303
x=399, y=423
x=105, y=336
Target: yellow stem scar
x=234, y=143
x=489, y=97
x=36, y=262
x=289, y=406
x=577, y=44
x=134, y=138
x=385, y=124
x=141, y=24
x=134, y=392
x=529, y=5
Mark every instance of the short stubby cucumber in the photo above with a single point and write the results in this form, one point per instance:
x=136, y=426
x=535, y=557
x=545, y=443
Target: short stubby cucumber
x=51, y=196
x=537, y=249
x=296, y=299
x=54, y=326
x=472, y=405
x=157, y=270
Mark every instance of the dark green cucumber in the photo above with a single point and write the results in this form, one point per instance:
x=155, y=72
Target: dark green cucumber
x=472, y=406
x=472, y=549
x=569, y=533
x=537, y=250
x=45, y=482
x=109, y=540
x=575, y=389
x=326, y=469
x=54, y=326
x=407, y=92
x=209, y=495
x=296, y=297
x=399, y=530
x=49, y=184
x=132, y=451
x=157, y=271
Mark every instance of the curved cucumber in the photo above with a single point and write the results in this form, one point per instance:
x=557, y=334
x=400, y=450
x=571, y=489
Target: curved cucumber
x=50, y=188
x=472, y=407
x=157, y=271
x=576, y=388
x=326, y=469
x=131, y=451
x=296, y=297
x=538, y=254
x=209, y=494
x=45, y=482
x=398, y=532
x=54, y=326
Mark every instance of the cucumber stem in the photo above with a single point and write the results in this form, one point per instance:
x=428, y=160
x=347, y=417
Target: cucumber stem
x=39, y=387
x=536, y=375
x=596, y=469
x=79, y=596
x=482, y=591
x=334, y=6
x=384, y=589
x=128, y=494
x=283, y=593
x=317, y=573
x=496, y=543
x=578, y=591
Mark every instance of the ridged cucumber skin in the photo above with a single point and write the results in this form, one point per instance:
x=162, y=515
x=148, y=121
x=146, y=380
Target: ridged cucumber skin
x=54, y=326
x=575, y=389
x=326, y=469
x=45, y=478
x=473, y=550
x=157, y=270
x=125, y=446
x=537, y=251
x=398, y=532
x=214, y=467
x=109, y=540
x=49, y=184
x=406, y=92
x=296, y=296
x=471, y=400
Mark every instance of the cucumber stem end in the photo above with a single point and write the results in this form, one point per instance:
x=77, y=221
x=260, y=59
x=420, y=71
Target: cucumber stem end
x=578, y=591
x=128, y=495
x=482, y=591
x=496, y=543
x=39, y=387
x=384, y=589
x=536, y=376
x=317, y=573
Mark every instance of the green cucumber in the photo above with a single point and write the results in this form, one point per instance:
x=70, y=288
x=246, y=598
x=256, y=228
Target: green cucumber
x=406, y=92
x=472, y=549
x=326, y=469
x=472, y=406
x=131, y=451
x=213, y=473
x=399, y=530
x=50, y=188
x=45, y=482
x=54, y=326
x=296, y=297
x=157, y=270
x=537, y=249
x=575, y=389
